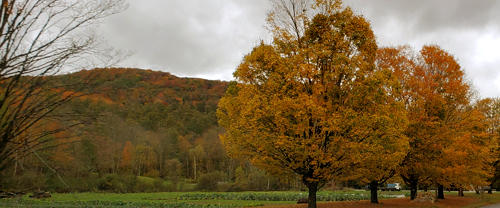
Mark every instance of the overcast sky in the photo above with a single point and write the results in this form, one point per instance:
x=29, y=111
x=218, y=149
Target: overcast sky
x=208, y=38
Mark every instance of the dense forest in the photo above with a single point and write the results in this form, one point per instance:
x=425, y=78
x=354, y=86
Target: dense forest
x=129, y=130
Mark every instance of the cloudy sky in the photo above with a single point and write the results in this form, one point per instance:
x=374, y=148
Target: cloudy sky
x=208, y=38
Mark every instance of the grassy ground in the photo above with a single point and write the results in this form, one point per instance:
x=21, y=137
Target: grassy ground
x=123, y=200
x=183, y=199
x=235, y=199
x=483, y=199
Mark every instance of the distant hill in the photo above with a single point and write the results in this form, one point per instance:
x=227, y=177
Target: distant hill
x=135, y=122
x=152, y=98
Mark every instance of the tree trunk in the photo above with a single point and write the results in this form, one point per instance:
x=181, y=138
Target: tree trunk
x=461, y=192
x=194, y=161
x=268, y=184
x=440, y=191
x=373, y=192
x=413, y=189
x=15, y=168
x=187, y=166
x=313, y=189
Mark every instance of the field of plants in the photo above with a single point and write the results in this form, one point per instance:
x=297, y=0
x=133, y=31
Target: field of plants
x=186, y=199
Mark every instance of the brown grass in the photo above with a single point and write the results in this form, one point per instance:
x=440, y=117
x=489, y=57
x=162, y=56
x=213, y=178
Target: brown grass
x=449, y=202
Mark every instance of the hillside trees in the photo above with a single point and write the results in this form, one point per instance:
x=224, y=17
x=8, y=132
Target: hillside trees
x=39, y=38
x=308, y=103
x=120, y=118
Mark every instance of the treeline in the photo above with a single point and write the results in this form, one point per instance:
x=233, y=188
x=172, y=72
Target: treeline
x=138, y=130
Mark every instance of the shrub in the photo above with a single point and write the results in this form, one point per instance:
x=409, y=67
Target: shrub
x=208, y=182
x=27, y=180
x=118, y=183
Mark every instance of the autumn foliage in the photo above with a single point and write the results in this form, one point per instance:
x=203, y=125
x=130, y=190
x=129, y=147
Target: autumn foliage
x=321, y=101
x=315, y=105
x=449, y=145
x=132, y=123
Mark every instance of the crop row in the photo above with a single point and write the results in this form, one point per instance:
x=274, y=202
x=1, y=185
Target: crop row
x=271, y=196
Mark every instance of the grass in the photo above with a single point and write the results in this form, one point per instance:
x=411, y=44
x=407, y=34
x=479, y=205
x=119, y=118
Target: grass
x=202, y=199
x=146, y=180
x=123, y=200
x=180, y=199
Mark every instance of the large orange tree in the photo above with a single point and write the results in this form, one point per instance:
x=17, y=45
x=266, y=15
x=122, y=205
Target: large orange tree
x=490, y=109
x=310, y=102
x=468, y=160
x=443, y=130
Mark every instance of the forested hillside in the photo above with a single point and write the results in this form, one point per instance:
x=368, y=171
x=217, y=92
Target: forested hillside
x=134, y=122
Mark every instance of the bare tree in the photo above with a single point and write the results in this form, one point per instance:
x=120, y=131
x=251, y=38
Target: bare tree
x=40, y=38
x=289, y=17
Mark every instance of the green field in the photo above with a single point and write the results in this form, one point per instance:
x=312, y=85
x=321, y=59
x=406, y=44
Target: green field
x=185, y=199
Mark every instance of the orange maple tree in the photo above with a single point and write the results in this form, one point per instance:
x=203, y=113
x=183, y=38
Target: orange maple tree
x=437, y=99
x=127, y=153
x=490, y=109
x=313, y=104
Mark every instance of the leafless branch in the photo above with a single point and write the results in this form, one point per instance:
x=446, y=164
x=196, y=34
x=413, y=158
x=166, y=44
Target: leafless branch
x=39, y=38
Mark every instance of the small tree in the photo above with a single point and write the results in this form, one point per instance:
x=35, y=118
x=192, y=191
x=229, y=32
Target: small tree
x=37, y=39
x=127, y=157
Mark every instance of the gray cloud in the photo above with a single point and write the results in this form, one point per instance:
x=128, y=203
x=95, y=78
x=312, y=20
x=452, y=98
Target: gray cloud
x=470, y=30
x=431, y=15
x=209, y=38
x=187, y=38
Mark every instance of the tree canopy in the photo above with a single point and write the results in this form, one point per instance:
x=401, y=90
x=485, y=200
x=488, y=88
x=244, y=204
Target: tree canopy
x=313, y=105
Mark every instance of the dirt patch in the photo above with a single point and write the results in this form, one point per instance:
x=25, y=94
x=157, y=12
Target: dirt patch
x=449, y=202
